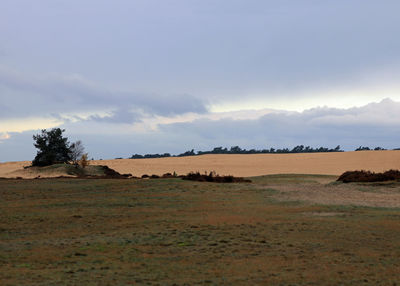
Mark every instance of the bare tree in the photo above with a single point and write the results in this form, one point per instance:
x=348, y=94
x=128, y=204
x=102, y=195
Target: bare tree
x=76, y=152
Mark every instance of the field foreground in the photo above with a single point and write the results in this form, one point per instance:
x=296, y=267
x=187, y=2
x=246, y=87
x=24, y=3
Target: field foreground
x=277, y=230
x=238, y=165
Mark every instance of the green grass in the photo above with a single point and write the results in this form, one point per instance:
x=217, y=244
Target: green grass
x=292, y=179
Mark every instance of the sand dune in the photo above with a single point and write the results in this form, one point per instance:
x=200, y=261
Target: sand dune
x=245, y=165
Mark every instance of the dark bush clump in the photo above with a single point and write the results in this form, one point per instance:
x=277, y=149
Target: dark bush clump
x=367, y=176
x=169, y=175
x=108, y=172
x=213, y=177
x=112, y=174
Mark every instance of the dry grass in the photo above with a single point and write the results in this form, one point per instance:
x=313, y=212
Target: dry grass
x=245, y=165
x=166, y=231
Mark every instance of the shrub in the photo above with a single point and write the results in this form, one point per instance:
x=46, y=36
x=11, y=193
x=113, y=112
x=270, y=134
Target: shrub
x=83, y=162
x=169, y=175
x=213, y=177
x=368, y=176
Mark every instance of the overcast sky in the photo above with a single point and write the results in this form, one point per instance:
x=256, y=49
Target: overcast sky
x=152, y=76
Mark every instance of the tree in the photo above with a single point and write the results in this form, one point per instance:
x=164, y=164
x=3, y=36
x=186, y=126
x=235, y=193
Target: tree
x=361, y=148
x=76, y=152
x=52, y=148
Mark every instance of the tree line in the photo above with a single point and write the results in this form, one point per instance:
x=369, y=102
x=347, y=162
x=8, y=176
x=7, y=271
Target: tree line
x=238, y=150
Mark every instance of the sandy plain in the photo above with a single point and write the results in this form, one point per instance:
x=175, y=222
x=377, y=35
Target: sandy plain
x=240, y=165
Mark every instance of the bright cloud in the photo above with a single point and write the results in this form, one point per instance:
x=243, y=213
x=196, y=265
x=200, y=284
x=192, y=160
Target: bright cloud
x=4, y=136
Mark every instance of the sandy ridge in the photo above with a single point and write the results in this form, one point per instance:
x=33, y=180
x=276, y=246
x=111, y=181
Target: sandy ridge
x=242, y=165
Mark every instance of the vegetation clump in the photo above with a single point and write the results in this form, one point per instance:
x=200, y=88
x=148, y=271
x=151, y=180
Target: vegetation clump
x=213, y=177
x=368, y=176
x=169, y=175
x=112, y=174
x=52, y=148
x=366, y=148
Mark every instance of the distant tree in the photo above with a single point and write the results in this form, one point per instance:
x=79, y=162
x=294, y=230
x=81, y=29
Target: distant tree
x=337, y=149
x=379, y=148
x=361, y=148
x=298, y=149
x=52, y=148
x=187, y=153
x=76, y=152
x=219, y=150
x=236, y=150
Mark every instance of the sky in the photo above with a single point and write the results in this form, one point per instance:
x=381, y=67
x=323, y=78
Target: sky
x=156, y=76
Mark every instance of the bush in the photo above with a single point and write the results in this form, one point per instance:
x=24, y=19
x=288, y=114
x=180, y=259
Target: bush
x=169, y=175
x=367, y=176
x=213, y=177
x=83, y=162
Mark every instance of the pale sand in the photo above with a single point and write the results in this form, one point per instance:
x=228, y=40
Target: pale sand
x=16, y=169
x=243, y=165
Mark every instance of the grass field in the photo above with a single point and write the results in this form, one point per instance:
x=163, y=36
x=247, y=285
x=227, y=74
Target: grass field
x=277, y=230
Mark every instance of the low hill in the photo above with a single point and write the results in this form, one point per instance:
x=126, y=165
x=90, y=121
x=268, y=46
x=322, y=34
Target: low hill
x=242, y=165
x=249, y=165
x=65, y=170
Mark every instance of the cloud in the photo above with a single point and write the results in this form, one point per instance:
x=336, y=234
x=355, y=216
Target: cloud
x=373, y=124
x=223, y=49
x=66, y=97
x=4, y=136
